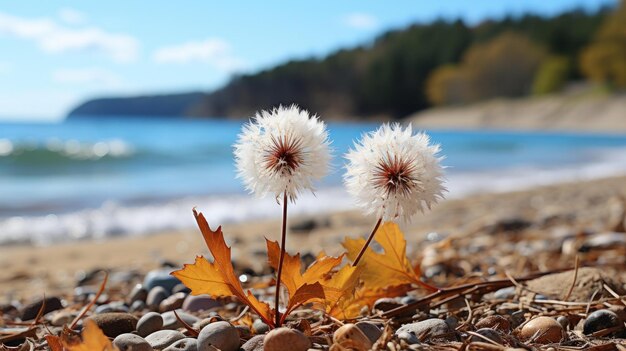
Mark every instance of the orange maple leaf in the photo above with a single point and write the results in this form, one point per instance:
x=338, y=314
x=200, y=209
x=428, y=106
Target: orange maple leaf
x=302, y=287
x=387, y=269
x=218, y=278
x=93, y=339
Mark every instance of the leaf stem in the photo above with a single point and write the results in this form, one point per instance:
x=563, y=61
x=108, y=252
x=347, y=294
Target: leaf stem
x=283, y=239
x=367, y=243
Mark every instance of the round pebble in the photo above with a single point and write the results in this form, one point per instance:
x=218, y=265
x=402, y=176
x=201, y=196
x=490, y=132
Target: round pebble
x=114, y=324
x=221, y=335
x=186, y=344
x=156, y=296
x=199, y=303
x=139, y=293
x=563, y=321
x=161, y=339
x=488, y=333
x=131, y=342
x=370, y=330
x=407, y=337
x=173, y=302
x=544, y=330
x=350, y=337
x=254, y=344
x=31, y=310
x=259, y=327
x=277, y=339
x=599, y=320
x=432, y=328
x=149, y=323
x=171, y=322
x=162, y=278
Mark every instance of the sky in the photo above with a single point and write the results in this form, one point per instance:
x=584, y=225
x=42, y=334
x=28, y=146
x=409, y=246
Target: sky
x=57, y=54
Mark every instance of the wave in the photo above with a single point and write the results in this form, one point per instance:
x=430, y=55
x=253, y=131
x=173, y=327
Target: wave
x=116, y=219
x=59, y=151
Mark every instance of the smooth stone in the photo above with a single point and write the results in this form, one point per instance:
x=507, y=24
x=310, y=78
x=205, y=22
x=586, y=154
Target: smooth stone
x=111, y=307
x=162, y=278
x=504, y=293
x=115, y=323
x=489, y=333
x=254, y=344
x=131, y=342
x=430, y=328
x=563, y=321
x=496, y=322
x=279, y=338
x=244, y=331
x=181, y=288
x=171, y=322
x=186, y=344
x=260, y=327
x=62, y=318
x=599, y=320
x=31, y=310
x=370, y=330
x=547, y=330
x=173, y=302
x=139, y=293
x=149, y=323
x=161, y=339
x=405, y=300
x=517, y=318
x=155, y=297
x=199, y=303
x=221, y=335
x=351, y=337
x=137, y=306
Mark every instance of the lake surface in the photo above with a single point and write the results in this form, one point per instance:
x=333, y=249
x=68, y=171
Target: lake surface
x=103, y=177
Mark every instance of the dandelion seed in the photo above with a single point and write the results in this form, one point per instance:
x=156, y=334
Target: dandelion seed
x=282, y=151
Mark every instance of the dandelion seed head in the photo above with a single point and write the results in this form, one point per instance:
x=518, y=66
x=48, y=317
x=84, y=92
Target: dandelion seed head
x=394, y=173
x=282, y=150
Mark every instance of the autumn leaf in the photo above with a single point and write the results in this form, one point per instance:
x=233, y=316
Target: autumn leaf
x=302, y=287
x=390, y=268
x=338, y=292
x=93, y=339
x=54, y=343
x=218, y=278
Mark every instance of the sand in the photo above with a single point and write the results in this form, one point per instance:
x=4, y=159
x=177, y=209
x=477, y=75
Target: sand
x=31, y=271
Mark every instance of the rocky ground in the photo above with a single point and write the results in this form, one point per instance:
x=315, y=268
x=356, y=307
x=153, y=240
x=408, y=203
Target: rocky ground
x=542, y=269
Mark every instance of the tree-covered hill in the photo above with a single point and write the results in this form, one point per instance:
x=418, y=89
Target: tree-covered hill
x=396, y=74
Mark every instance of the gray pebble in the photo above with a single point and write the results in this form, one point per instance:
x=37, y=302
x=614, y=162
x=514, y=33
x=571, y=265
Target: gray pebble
x=173, y=302
x=156, y=296
x=489, y=334
x=137, y=306
x=407, y=337
x=431, y=328
x=181, y=288
x=254, y=344
x=221, y=335
x=162, y=278
x=563, y=321
x=161, y=339
x=186, y=344
x=171, y=322
x=259, y=327
x=149, y=323
x=505, y=293
x=370, y=330
x=139, y=293
x=199, y=303
x=131, y=342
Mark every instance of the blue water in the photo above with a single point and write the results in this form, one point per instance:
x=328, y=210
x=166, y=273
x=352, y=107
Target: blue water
x=105, y=165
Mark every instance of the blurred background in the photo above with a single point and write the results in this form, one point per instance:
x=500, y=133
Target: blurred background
x=115, y=120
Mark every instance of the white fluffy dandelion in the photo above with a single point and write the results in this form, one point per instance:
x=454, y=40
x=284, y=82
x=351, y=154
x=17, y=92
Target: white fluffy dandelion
x=282, y=151
x=394, y=173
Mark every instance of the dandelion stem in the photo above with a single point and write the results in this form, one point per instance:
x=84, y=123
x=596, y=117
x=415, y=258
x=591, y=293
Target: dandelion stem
x=367, y=243
x=283, y=238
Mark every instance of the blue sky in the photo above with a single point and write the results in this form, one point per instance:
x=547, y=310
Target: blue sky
x=55, y=54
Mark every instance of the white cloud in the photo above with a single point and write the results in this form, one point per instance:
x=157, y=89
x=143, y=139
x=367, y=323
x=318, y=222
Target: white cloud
x=72, y=16
x=360, y=21
x=213, y=51
x=90, y=75
x=52, y=37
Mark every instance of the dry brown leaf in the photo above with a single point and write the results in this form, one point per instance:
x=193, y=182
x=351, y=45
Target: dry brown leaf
x=93, y=339
x=387, y=269
x=218, y=278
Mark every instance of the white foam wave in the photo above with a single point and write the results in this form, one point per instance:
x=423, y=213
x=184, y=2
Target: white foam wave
x=113, y=219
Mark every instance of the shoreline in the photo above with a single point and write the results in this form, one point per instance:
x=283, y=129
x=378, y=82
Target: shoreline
x=578, y=205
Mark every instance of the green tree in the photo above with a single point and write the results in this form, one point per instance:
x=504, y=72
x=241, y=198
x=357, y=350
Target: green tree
x=605, y=59
x=552, y=75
